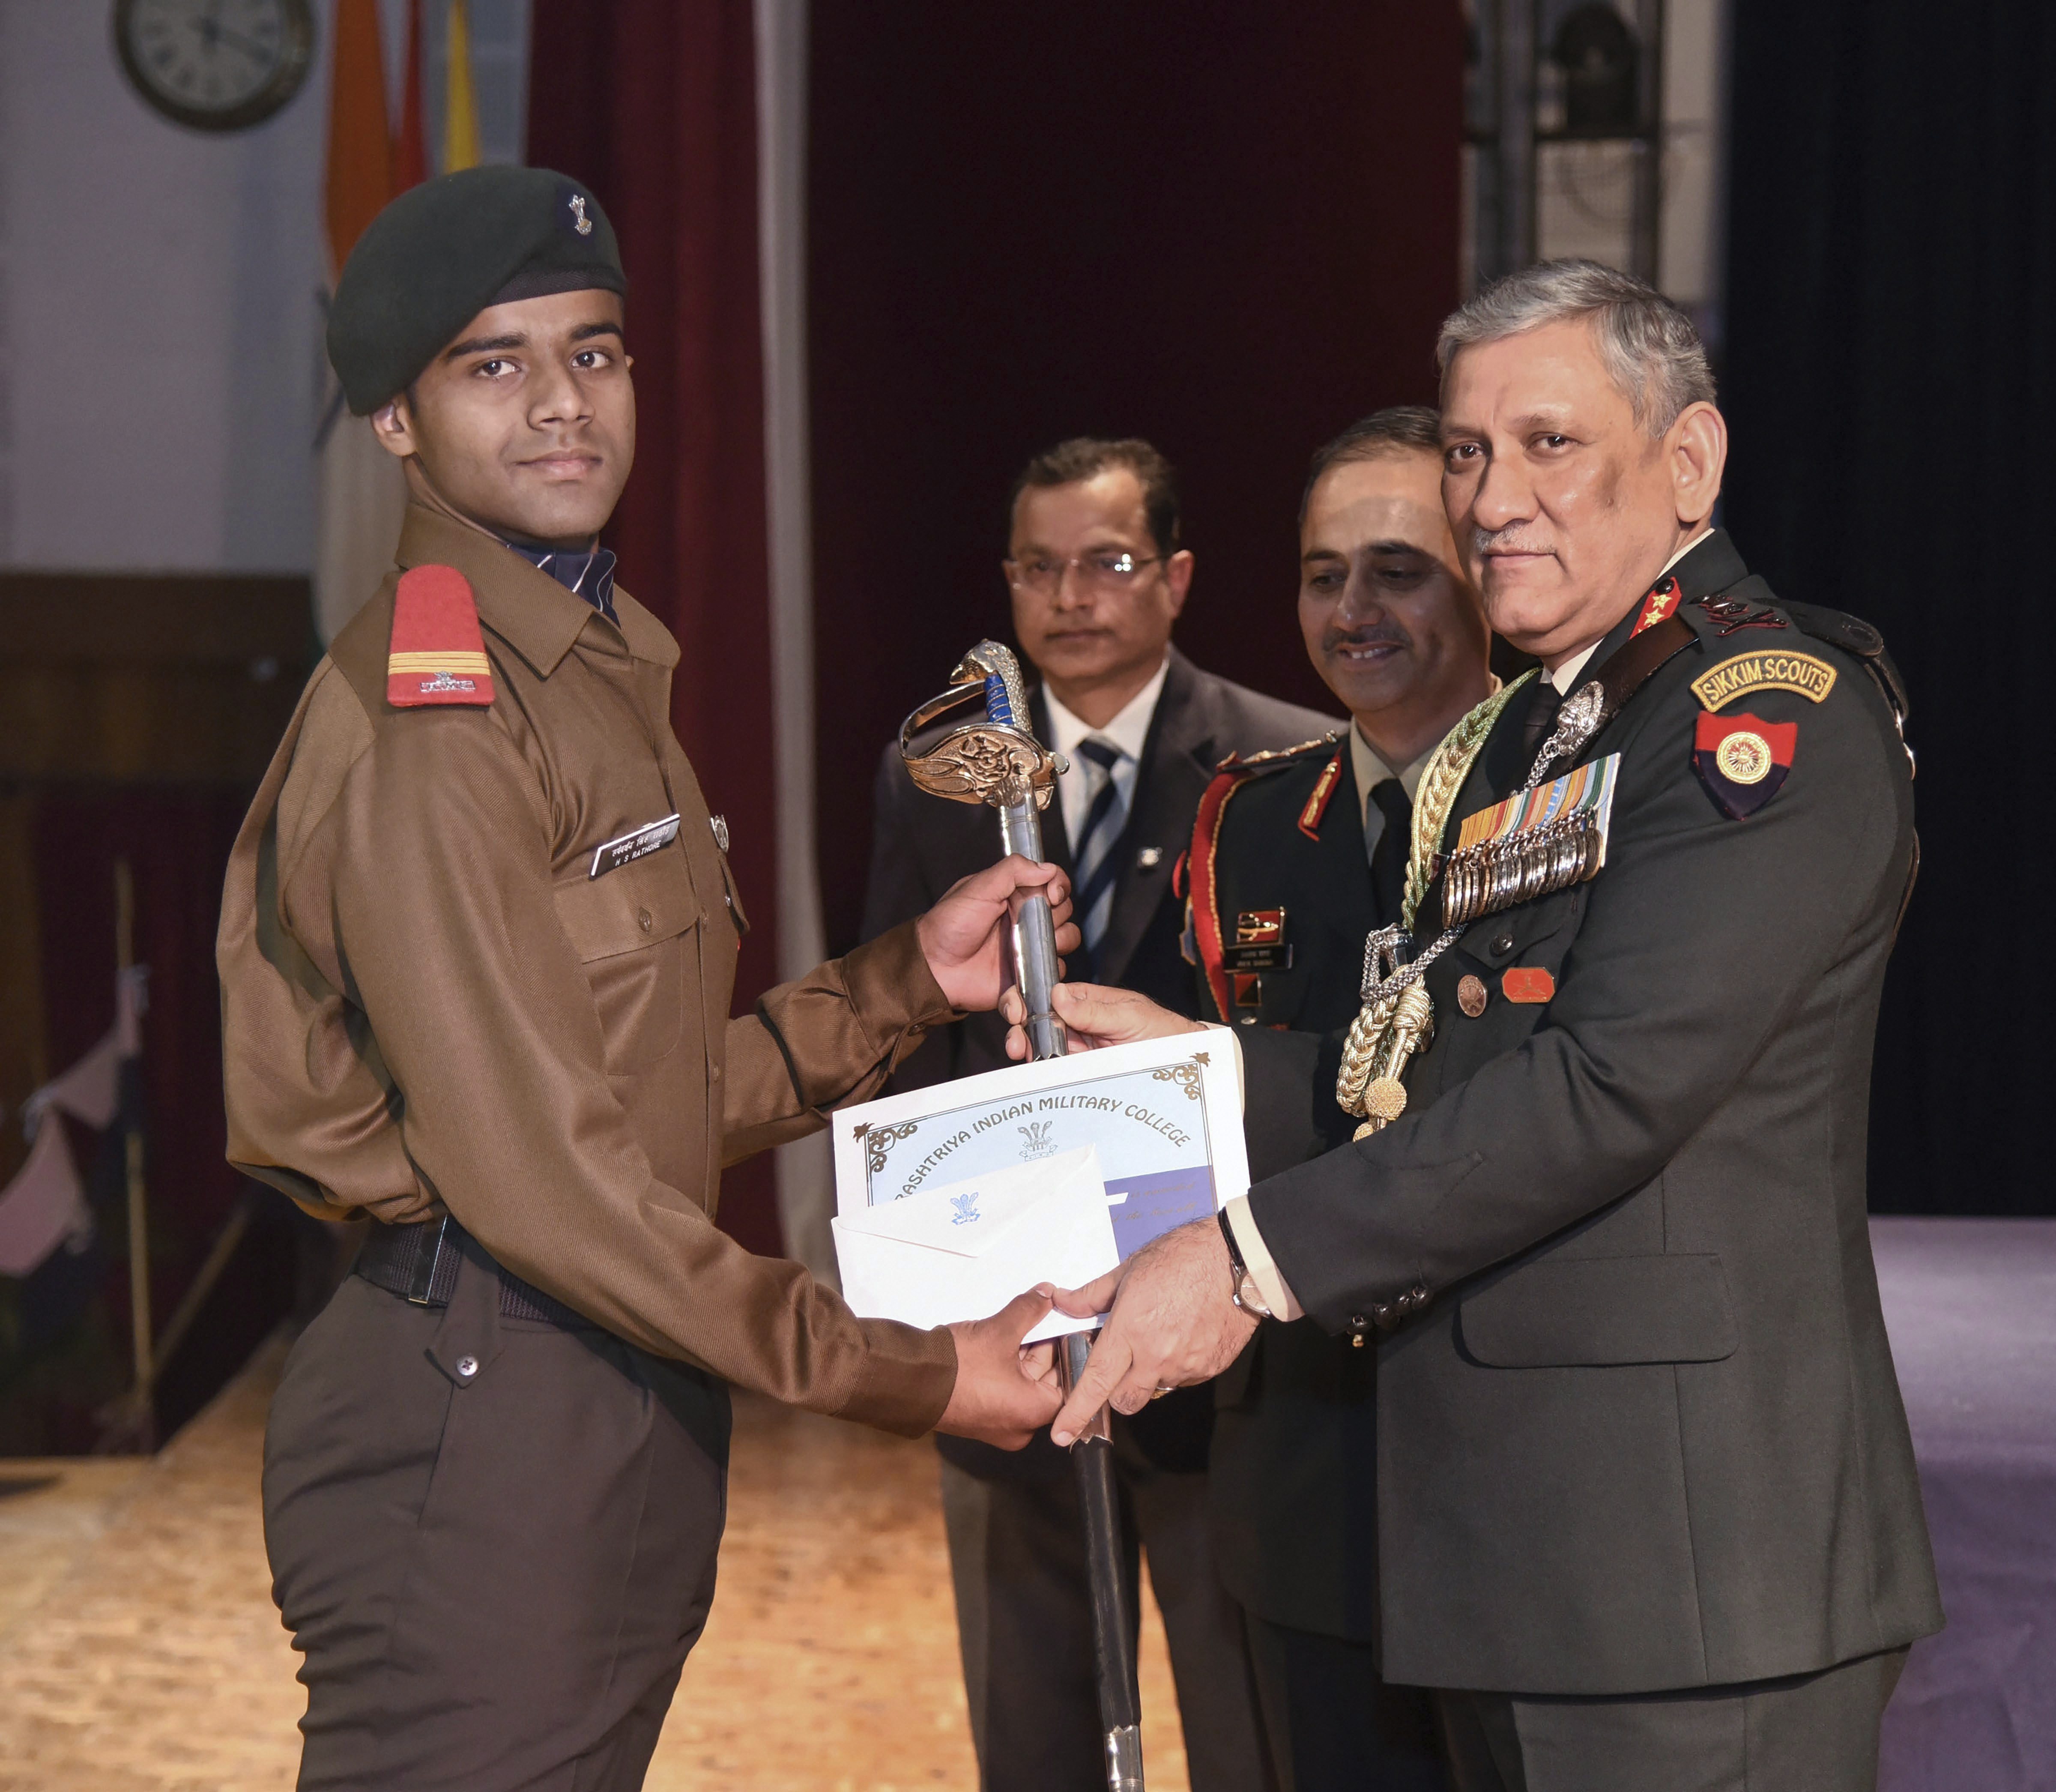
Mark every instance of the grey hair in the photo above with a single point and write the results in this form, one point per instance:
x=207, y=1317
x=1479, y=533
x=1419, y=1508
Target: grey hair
x=1649, y=346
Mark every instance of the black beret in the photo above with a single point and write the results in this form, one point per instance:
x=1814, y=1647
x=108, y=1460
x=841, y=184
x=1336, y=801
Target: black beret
x=442, y=251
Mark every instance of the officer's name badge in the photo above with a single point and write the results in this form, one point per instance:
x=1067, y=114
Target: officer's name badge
x=1533, y=844
x=1259, y=944
x=629, y=848
x=1801, y=672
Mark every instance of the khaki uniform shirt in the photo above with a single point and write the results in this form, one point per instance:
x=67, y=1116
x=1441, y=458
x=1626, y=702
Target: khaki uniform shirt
x=430, y=1005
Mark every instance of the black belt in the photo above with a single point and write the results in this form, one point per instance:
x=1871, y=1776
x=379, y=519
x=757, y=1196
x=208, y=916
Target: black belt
x=421, y=1261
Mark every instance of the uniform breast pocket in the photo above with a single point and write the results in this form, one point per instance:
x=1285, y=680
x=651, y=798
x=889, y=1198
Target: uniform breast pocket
x=1536, y=936
x=636, y=932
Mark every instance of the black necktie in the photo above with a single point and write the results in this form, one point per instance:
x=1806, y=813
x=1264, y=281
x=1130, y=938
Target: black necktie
x=1389, y=829
x=1541, y=717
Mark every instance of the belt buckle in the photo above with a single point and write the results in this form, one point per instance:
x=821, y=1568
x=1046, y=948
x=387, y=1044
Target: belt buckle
x=426, y=1258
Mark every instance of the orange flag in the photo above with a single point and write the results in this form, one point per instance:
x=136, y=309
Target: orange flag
x=360, y=149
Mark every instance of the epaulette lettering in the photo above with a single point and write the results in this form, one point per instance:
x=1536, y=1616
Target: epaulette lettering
x=438, y=654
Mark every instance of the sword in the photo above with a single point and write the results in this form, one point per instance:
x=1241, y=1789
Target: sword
x=995, y=759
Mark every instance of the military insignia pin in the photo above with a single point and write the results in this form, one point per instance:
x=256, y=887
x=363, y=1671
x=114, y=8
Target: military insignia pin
x=1523, y=982
x=1742, y=759
x=1259, y=944
x=1658, y=604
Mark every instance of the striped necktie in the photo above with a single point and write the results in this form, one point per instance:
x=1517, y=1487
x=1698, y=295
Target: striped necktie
x=1093, y=852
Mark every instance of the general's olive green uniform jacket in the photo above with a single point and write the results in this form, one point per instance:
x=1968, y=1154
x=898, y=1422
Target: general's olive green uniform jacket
x=428, y=1004
x=1638, y=1429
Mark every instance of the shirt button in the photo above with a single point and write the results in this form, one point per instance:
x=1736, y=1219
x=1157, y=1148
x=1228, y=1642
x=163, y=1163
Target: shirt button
x=1502, y=945
x=467, y=1366
x=643, y=920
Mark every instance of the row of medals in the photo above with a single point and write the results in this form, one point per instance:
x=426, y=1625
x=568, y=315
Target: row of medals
x=1498, y=874
x=1480, y=880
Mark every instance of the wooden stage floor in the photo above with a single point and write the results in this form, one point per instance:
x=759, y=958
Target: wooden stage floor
x=139, y=1651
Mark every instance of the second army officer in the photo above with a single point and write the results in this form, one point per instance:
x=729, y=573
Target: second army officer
x=1296, y=859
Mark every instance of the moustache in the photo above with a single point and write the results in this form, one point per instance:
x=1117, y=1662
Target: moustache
x=1508, y=541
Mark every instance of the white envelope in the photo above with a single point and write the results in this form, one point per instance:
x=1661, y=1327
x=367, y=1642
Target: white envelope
x=963, y=1250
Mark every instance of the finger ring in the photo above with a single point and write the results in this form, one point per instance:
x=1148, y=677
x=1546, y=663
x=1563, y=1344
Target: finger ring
x=1161, y=1391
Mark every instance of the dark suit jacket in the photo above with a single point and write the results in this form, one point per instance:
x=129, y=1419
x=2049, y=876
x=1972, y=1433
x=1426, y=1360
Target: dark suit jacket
x=922, y=845
x=1646, y=1434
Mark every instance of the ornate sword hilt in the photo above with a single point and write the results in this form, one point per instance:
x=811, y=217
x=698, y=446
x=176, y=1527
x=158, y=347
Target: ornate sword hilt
x=995, y=759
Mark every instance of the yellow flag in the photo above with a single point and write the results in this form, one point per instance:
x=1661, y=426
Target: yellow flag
x=460, y=97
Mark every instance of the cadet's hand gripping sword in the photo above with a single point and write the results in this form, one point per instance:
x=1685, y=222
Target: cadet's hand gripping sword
x=998, y=761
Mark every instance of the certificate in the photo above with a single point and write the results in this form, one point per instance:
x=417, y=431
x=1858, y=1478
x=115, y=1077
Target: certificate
x=1163, y=1117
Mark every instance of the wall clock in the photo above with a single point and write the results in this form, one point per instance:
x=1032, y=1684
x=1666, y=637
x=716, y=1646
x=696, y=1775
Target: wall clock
x=216, y=64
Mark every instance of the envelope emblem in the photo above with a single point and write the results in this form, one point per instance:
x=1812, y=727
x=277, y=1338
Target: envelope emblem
x=964, y=1251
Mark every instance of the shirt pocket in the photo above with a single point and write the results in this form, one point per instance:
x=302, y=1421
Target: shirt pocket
x=635, y=931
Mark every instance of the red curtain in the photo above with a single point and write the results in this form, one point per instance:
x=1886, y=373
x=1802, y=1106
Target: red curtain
x=652, y=103
x=1231, y=228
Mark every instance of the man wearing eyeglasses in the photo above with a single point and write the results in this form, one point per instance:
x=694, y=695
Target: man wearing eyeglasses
x=1098, y=577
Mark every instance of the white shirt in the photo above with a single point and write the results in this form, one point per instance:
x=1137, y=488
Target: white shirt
x=1128, y=731
x=1566, y=674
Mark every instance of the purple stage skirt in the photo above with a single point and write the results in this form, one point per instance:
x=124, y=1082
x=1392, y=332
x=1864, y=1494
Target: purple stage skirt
x=1971, y=1306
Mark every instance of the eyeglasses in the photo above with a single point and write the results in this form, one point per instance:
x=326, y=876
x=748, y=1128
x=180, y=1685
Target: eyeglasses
x=1106, y=572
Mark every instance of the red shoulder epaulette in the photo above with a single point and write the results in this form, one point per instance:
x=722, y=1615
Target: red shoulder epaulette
x=437, y=654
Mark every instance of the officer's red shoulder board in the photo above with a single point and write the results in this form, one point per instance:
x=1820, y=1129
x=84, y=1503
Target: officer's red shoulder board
x=437, y=654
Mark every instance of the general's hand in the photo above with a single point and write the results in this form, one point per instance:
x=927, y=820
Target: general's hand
x=962, y=937
x=1172, y=1324
x=1004, y=1394
x=1095, y=1016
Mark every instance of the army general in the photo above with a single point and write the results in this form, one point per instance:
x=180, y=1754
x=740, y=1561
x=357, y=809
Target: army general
x=476, y=952
x=1646, y=1512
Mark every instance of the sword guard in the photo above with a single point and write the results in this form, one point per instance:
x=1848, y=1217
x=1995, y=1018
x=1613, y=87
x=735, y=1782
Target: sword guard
x=994, y=759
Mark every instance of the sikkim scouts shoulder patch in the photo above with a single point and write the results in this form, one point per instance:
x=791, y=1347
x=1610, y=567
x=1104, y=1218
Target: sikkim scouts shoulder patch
x=1743, y=760
x=437, y=654
x=1778, y=669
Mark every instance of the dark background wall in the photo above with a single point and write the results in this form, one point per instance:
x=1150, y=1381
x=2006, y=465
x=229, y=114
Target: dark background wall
x=1228, y=229
x=1891, y=373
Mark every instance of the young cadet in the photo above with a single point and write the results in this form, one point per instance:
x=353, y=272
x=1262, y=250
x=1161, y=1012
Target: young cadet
x=1296, y=859
x=476, y=952
x=1645, y=1506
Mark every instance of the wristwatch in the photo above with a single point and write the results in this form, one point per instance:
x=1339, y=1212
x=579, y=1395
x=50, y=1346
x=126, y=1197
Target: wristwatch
x=1242, y=1285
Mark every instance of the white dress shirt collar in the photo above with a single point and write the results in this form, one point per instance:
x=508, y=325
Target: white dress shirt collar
x=1129, y=730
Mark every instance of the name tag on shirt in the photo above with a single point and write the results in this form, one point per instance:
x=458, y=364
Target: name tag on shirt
x=629, y=848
